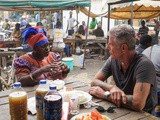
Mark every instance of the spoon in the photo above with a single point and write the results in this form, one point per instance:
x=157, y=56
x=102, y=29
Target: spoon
x=109, y=110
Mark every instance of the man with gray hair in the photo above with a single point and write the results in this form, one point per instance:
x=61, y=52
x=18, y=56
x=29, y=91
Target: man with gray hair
x=134, y=74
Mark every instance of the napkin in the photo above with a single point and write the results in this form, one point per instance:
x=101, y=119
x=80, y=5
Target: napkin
x=32, y=105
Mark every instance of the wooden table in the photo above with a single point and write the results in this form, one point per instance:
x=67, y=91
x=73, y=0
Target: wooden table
x=5, y=54
x=99, y=41
x=11, y=43
x=119, y=114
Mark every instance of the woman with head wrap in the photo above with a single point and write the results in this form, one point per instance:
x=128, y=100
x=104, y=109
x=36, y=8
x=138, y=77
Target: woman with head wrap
x=40, y=64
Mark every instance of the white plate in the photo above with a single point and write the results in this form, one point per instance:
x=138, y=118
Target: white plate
x=84, y=96
x=80, y=115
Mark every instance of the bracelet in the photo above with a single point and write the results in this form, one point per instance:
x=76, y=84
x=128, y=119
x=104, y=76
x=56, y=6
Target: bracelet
x=31, y=76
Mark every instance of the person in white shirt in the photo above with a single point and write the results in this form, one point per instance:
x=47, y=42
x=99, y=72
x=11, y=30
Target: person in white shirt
x=44, y=22
x=70, y=25
x=55, y=19
x=153, y=54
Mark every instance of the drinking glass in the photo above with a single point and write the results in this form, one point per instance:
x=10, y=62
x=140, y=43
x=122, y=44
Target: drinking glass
x=74, y=102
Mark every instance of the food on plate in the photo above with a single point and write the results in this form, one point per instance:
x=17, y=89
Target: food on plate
x=83, y=96
x=94, y=115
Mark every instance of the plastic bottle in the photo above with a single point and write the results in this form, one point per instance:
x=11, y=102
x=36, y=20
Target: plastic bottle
x=39, y=94
x=18, y=103
x=52, y=104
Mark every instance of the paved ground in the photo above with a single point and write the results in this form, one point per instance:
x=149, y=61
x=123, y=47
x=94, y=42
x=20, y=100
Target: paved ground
x=92, y=66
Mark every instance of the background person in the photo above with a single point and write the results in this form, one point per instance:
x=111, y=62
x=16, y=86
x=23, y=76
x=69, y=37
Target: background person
x=133, y=88
x=39, y=24
x=153, y=54
x=143, y=30
x=157, y=29
x=81, y=30
x=84, y=26
x=38, y=17
x=98, y=32
x=55, y=15
x=93, y=24
x=23, y=22
x=44, y=22
x=145, y=42
x=71, y=24
x=1, y=23
x=16, y=34
x=6, y=25
x=40, y=64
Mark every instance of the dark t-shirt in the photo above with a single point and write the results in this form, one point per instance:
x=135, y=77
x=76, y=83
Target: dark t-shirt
x=140, y=70
x=143, y=30
x=98, y=32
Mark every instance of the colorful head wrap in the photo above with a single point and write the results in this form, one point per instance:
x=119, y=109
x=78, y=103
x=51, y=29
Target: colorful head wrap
x=35, y=36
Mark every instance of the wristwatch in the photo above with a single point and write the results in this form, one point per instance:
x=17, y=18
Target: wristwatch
x=107, y=94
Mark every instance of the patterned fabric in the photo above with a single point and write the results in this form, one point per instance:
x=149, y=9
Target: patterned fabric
x=35, y=36
x=26, y=64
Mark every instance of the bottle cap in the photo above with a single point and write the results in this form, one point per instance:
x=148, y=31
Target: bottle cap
x=43, y=82
x=53, y=87
x=17, y=85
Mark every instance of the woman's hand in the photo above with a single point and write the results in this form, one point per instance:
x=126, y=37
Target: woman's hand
x=65, y=69
x=53, y=68
x=62, y=66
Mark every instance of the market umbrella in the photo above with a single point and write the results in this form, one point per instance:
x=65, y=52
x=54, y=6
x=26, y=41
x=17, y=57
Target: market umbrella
x=143, y=9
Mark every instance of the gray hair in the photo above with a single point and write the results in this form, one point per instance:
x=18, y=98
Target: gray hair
x=125, y=34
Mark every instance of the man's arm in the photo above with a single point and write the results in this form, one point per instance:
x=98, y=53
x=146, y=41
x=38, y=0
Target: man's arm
x=140, y=94
x=99, y=81
x=136, y=101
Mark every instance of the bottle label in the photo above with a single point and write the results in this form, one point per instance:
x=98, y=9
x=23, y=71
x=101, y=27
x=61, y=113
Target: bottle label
x=53, y=107
x=39, y=103
x=55, y=114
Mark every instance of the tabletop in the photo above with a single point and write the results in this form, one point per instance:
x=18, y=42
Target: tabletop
x=11, y=43
x=119, y=114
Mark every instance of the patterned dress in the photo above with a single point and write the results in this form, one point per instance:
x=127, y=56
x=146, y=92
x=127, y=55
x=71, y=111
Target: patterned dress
x=26, y=64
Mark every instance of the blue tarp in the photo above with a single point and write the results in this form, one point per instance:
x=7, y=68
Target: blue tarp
x=45, y=3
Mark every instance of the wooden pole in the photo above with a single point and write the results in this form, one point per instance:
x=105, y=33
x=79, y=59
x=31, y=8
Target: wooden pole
x=86, y=37
x=108, y=27
x=132, y=8
x=77, y=11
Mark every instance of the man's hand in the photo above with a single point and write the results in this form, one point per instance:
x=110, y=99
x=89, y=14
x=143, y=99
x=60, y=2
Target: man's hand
x=97, y=91
x=117, y=96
